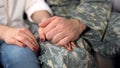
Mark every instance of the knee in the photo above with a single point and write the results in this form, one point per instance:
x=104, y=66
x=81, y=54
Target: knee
x=14, y=53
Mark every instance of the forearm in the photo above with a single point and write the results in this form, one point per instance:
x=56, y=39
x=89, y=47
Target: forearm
x=93, y=13
x=95, y=16
x=3, y=29
x=40, y=15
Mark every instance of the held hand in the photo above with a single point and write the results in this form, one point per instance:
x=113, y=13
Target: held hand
x=61, y=30
x=68, y=46
x=21, y=37
x=42, y=38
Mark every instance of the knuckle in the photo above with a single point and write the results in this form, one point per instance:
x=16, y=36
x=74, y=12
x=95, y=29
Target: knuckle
x=10, y=41
x=23, y=39
x=24, y=29
x=61, y=26
x=48, y=36
x=58, y=18
x=54, y=41
x=16, y=43
x=19, y=31
x=60, y=44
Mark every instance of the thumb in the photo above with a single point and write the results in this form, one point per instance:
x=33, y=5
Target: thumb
x=45, y=22
x=41, y=34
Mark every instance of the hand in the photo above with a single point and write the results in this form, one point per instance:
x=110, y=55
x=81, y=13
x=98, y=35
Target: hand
x=61, y=31
x=21, y=37
x=68, y=46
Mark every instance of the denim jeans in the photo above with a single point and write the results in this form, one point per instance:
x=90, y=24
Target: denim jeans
x=12, y=56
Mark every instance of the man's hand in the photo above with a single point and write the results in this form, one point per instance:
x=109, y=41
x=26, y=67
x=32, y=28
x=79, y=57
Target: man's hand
x=68, y=46
x=21, y=37
x=61, y=31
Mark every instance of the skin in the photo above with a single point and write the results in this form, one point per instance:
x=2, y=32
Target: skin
x=58, y=30
x=68, y=46
x=40, y=17
x=22, y=37
x=61, y=31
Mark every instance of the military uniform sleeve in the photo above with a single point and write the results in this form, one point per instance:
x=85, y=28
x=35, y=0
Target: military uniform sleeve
x=110, y=45
x=95, y=14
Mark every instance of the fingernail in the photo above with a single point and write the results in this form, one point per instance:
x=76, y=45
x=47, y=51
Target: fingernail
x=68, y=47
x=42, y=40
x=34, y=49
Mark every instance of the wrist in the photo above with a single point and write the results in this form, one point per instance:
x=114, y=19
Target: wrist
x=3, y=30
x=40, y=15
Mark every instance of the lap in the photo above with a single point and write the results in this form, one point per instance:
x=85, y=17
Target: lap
x=59, y=57
x=13, y=55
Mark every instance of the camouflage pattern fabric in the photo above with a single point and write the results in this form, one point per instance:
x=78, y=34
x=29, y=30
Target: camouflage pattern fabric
x=102, y=35
x=52, y=56
x=109, y=45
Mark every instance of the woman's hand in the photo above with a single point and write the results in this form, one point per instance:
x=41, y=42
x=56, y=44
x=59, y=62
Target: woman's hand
x=21, y=37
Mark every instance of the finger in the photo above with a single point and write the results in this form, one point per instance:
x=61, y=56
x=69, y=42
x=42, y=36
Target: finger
x=30, y=37
x=73, y=44
x=20, y=44
x=64, y=41
x=51, y=25
x=46, y=22
x=27, y=43
x=16, y=42
x=41, y=34
x=68, y=46
x=30, y=45
x=51, y=33
x=58, y=37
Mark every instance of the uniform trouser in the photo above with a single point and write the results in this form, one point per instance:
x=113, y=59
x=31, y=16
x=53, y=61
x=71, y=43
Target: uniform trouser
x=12, y=56
x=58, y=57
x=53, y=56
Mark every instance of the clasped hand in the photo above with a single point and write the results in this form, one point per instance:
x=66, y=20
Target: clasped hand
x=61, y=31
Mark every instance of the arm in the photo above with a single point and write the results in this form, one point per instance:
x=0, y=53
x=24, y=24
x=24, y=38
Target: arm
x=95, y=15
x=37, y=10
x=40, y=15
x=85, y=14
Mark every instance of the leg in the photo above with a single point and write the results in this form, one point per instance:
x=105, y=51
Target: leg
x=58, y=57
x=17, y=57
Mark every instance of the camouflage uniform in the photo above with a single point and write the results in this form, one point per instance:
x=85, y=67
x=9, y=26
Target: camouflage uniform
x=101, y=37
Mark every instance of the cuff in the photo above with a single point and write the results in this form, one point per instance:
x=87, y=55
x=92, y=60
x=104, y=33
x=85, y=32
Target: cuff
x=38, y=7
